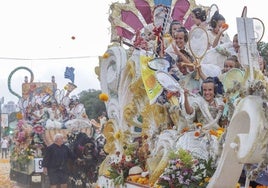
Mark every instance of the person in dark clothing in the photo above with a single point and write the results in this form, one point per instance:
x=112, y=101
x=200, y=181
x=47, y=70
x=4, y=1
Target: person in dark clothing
x=55, y=162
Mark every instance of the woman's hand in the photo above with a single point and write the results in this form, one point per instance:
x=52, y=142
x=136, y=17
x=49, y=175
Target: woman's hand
x=186, y=92
x=175, y=48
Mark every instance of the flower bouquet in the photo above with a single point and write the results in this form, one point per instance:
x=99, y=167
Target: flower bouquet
x=186, y=171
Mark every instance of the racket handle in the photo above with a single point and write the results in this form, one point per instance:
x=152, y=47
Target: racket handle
x=187, y=64
x=197, y=76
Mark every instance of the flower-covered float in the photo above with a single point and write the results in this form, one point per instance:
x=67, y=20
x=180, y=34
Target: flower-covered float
x=152, y=143
x=44, y=111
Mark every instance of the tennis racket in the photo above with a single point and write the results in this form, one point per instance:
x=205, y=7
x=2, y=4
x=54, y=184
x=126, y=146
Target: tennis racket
x=159, y=64
x=231, y=77
x=198, y=44
x=170, y=84
x=259, y=29
x=210, y=12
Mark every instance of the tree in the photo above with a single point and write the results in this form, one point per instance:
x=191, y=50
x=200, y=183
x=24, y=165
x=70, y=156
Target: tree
x=94, y=107
x=263, y=49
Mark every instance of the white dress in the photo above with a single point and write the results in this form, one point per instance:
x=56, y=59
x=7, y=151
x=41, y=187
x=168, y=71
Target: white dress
x=205, y=145
x=219, y=54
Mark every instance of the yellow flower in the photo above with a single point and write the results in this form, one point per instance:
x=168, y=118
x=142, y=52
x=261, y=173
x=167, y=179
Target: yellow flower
x=213, y=132
x=198, y=124
x=19, y=115
x=107, y=173
x=117, y=135
x=105, y=55
x=219, y=132
x=103, y=97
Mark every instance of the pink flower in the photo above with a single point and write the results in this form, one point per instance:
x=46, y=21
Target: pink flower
x=21, y=136
x=38, y=129
x=20, y=123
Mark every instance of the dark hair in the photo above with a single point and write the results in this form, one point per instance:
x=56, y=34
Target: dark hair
x=200, y=14
x=234, y=58
x=215, y=18
x=218, y=87
x=174, y=22
x=183, y=29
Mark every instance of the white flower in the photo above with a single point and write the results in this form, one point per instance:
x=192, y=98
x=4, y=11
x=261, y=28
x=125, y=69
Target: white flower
x=79, y=182
x=128, y=158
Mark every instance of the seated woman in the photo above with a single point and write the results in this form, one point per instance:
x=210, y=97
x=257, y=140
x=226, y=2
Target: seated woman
x=55, y=120
x=204, y=115
x=216, y=32
x=180, y=39
x=174, y=26
x=219, y=41
x=207, y=110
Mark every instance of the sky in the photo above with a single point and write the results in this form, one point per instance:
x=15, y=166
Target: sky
x=47, y=36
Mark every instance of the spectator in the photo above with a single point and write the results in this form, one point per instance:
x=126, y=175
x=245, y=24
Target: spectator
x=55, y=162
x=4, y=147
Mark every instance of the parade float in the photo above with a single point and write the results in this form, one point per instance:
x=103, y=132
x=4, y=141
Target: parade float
x=44, y=111
x=148, y=143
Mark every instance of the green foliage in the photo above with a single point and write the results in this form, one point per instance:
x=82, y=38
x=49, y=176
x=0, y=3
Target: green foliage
x=263, y=49
x=93, y=105
x=186, y=158
x=130, y=149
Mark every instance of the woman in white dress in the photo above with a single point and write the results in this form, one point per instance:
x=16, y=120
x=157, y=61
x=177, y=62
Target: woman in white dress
x=216, y=31
x=180, y=39
x=204, y=115
x=219, y=41
x=54, y=117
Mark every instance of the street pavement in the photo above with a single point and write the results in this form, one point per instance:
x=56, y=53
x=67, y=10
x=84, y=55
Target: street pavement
x=5, y=181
